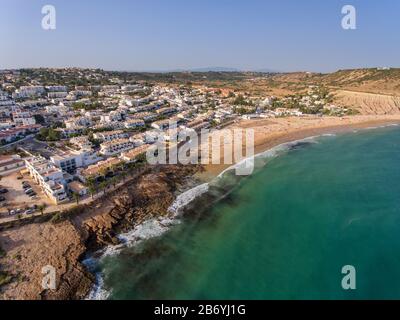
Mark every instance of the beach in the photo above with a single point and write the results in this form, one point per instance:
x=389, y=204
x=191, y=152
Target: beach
x=269, y=133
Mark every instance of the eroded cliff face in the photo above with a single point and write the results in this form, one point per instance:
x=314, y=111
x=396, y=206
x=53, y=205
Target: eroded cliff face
x=31, y=248
x=150, y=196
x=62, y=245
x=369, y=103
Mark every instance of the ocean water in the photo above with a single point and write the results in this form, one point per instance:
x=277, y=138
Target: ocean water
x=285, y=232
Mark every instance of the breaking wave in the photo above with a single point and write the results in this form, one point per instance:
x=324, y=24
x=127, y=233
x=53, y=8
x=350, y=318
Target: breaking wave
x=154, y=228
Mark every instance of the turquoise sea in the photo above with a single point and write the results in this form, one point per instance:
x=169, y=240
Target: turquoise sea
x=285, y=232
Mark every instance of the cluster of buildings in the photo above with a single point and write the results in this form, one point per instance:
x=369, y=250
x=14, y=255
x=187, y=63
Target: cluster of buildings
x=112, y=121
x=15, y=122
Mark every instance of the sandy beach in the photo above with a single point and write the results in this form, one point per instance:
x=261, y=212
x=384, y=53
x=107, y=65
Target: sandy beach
x=269, y=133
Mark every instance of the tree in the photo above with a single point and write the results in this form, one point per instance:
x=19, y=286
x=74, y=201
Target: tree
x=123, y=176
x=103, y=186
x=41, y=208
x=104, y=171
x=39, y=119
x=91, y=184
x=114, y=181
x=92, y=191
x=46, y=134
x=76, y=196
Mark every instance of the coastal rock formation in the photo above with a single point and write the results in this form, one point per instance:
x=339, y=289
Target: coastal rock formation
x=62, y=245
x=369, y=103
x=149, y=196
x=31, y=248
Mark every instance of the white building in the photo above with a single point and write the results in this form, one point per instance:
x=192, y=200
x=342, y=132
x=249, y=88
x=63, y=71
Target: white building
x=134, y=123
x=81, y=142
x=78, y=122
x=56, y=88
x=23, y=118
x=57, y=95
x=132, y=155
x=69, y=161
x=11, y=163
x=48, y=177
x=29, y=91
x=146, y=116
x=115, y=147
x=137, y=139
x=110, y=135
x=111, y=117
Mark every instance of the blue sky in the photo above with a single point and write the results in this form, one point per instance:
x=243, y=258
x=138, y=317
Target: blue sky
x=283, y=35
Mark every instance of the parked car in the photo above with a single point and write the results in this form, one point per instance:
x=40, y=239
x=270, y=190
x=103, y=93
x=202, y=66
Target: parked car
x=29, y=211
x=33, y=194
x=3, y=190
x=2, y=199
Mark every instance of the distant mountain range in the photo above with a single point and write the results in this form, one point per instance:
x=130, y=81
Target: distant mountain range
x=214, y=69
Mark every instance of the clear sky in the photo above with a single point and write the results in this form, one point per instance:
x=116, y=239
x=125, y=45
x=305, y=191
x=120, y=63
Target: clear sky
x=136, y=35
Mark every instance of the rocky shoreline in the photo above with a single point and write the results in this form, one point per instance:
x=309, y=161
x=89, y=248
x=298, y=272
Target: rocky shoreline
x=65, y=241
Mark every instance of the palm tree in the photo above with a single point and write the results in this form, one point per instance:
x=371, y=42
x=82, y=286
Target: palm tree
x=114, y=181
x=91, y=184
x=104, y=171
x=92, y=190
x=41, y=208
x=123, y=176
x=103, y=185
x=76, y=196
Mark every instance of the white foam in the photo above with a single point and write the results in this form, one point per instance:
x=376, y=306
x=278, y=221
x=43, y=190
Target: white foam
x=187, y=197
x=98, y=292
x=270, y=153
x=329, y=135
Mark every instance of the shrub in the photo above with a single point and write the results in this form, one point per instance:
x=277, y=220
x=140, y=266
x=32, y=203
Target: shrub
x=5, y=278
x=2, y=252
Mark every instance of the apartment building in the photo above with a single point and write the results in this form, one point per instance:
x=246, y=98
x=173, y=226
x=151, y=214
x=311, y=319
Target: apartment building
x=29, y=91
x=57, y=95
x=166, y=111
x=165, y=124
x=69, y=161
x=48, y=177
x=23, y=118
x=81, y=142
x=146, y=116
x=134, y=123
x=56, y=88
x=11, y=163
x=78, y=122
x=110, y=135
x=115, y=147
x=13, y=134
x=113, y=116
x=137, y=139
x=98, y=169
x=134, y=154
